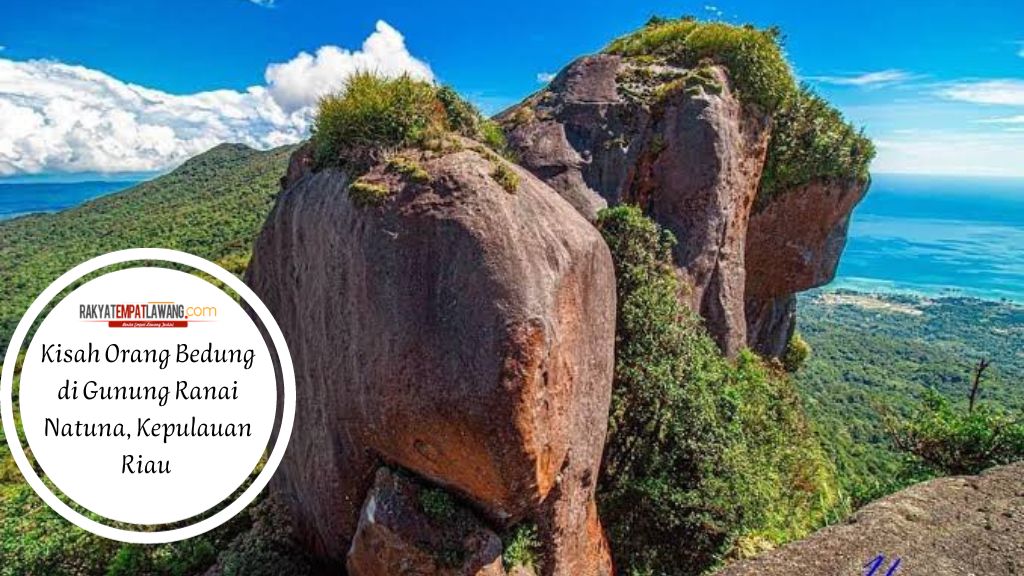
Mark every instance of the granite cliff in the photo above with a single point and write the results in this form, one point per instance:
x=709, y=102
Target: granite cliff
x=461, y=330
x=451, y=307
x=756, y=178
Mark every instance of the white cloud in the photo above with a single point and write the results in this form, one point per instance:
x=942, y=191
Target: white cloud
x=1019, y=119
x=1009, y=92
x=952, y=153
x=1020, y=52
x=891, y=76
x=264, y=3
x=713, y=9
x=56, y=117
x=303, y=80
x=545, y=77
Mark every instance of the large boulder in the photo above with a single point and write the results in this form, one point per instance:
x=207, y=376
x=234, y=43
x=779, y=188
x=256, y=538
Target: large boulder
x=462, y=330
x=794, y=242
x=399, y=535
x=961, y=526
x=677, y=142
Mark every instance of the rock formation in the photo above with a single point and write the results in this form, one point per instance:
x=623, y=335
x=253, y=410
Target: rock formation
x=960, y=526
x=690, y=154
x=461, y=330
x=397, y=536
x=680, y=143
x=793, y=244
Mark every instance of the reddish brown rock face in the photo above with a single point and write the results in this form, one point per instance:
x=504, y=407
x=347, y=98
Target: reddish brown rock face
x=692, y=157
x=606, y=131
x=794, y=244
x=459, y=331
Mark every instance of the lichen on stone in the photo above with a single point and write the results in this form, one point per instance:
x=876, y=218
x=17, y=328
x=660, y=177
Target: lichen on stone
x=409, y=168
x=365, y=194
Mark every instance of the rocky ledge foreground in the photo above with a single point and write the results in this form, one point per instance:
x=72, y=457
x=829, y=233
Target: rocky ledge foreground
x=960, y=526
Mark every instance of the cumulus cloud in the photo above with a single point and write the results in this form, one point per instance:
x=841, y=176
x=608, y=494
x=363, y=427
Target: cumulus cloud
x=545, y=77
x=303, y=80
x=56, y=117
x=1008, y=92
x=881, y=77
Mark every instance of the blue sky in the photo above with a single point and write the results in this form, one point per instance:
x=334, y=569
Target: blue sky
x=939, y=85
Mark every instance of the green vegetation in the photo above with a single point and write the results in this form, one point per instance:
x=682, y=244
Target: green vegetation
x=878, y=356
x=492, y=135
x=506, y=177
x=952, y=440
x=437, y=504
x=375, y=115
x=812, y=141
x=700, y=450
x=35, y=540
x=796, y=354
x=754, y=58
x=212, y=206
x=521, y=548
x=266, y=548
x=409, y=168
x=364, y=194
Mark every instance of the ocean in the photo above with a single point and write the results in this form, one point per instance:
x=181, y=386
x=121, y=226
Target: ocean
x=939, y=237
x=926, y=235
x=20, y=199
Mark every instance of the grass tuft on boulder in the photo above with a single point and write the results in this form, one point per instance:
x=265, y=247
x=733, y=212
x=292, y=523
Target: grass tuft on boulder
x=365, y=194
x=506, y=177
x=375, y=115
x=753, y=57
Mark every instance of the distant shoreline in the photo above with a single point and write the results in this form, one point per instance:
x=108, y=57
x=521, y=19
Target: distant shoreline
x=900, y=295
x=20, y=199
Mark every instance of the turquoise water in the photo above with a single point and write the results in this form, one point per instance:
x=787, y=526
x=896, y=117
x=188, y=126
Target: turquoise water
x=938, y=236
x=20, y=199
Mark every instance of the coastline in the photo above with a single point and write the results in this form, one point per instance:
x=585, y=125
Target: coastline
x=892, y=289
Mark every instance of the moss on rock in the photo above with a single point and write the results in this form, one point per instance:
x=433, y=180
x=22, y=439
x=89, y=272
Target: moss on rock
x=754, y=58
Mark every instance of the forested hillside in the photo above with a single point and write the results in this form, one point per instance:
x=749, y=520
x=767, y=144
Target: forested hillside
x=875, y=355
x=211, y=206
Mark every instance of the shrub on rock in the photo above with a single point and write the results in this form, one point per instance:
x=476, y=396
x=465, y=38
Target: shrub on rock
x=705, y=459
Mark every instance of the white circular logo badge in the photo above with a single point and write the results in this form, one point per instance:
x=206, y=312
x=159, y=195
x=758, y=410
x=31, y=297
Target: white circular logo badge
x=148, y=396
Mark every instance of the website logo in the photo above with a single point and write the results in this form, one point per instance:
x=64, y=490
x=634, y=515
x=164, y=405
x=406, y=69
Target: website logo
x=146, y=314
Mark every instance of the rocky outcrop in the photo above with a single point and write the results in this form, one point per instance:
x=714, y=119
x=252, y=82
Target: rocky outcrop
x=960, y=526
x=678, y=142
x=793, y=243
x=462, y=331
x=398, y=535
